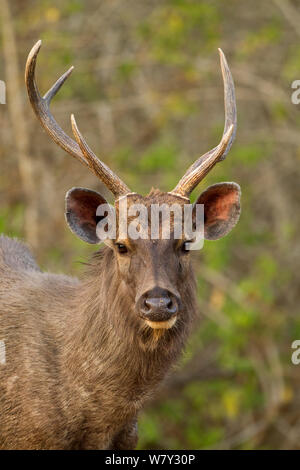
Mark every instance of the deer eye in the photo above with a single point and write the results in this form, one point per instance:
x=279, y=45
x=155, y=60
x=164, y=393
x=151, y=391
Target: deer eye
x=185, y=247
x=122, y=248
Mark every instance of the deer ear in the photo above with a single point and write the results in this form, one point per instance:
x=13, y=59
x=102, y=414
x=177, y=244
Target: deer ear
x=221, y=209
x=80, y=212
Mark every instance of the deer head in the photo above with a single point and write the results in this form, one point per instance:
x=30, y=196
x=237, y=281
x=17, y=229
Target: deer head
x=152, y=269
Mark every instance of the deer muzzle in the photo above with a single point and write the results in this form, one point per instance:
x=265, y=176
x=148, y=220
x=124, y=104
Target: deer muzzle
x=159, y=308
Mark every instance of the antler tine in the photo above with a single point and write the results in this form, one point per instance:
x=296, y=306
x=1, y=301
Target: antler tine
x=41, y=105
x=229, y=101
x=57, y=85
x=41, y=108
x=112, y=181
x=199, y=169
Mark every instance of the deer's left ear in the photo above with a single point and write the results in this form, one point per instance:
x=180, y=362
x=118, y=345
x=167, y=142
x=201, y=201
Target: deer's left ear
x=222, y=209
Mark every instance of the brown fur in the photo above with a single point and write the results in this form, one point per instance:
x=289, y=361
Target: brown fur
x=80, y=361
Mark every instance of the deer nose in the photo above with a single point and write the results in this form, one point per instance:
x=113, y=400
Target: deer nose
x=158, y=305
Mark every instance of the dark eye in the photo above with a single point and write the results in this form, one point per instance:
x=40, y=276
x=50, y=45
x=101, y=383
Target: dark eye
x=185, y=247
x=121, y=248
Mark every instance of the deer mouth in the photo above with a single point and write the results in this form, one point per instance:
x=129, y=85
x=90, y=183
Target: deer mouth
x=162, y=325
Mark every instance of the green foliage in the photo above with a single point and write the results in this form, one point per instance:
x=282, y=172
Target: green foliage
x=158, y=157
x=177, y=23
x=267, y=35
x=126, y=70
x=11, y=220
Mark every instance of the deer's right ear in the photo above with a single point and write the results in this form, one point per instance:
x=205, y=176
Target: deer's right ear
x=81, y=213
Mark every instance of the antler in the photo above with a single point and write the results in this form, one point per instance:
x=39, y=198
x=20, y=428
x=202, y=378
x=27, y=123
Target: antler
x=79, y=150
x=198, y=170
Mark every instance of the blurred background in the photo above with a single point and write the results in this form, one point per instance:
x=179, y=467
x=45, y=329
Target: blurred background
x=147, y=94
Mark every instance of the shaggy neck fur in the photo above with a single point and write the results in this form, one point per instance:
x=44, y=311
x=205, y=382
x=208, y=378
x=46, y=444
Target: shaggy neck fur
x=120, y=360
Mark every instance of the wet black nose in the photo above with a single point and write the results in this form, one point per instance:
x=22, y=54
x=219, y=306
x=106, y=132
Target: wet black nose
x=158, y=305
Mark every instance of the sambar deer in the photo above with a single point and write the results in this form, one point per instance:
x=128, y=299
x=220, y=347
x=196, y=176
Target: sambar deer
x=82, y=357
